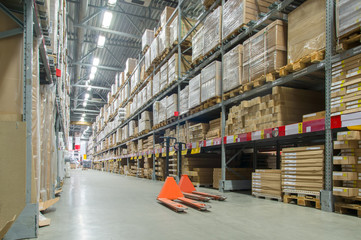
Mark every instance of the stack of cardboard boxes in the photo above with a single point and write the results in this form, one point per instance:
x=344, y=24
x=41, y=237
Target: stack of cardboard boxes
x=267, y=183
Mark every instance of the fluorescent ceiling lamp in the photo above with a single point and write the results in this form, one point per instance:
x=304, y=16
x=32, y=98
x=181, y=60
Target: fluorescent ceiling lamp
x=93, y=70
x=89, y=88
x=85, y=103
x=92, y=76
x=101, y=41
x=107, y=19
x=82, y=119
x=83, y=115
x=96, y=61
x=112, y=2
x=86, y=95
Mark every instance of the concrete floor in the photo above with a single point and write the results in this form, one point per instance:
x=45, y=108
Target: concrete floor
x=99, y=205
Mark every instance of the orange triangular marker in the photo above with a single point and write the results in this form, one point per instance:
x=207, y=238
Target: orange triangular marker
x=170, y=190
x=186, y=185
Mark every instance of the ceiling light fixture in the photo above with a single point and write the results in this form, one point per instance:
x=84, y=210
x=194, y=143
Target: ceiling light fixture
x=107, y=19
x=82, y=119
x=87, y=95
x=112, y=2
x=93, y=70
x=83, y=115
x=96, y=61
x=89, y=89
x=85, y=103
x=92, y=76
x=101, y=41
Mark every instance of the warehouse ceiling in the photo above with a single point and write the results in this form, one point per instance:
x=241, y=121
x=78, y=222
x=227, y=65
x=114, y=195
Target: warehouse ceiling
x=122, y=41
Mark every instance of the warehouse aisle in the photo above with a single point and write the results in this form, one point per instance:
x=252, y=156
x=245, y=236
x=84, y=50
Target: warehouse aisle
x=99, y=205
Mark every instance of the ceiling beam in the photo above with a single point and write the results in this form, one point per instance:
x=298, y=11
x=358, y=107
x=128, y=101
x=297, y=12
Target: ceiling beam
x=109, y=68
x=98, y=29
x=89, y=86
x=110, y=42
x=84, y=110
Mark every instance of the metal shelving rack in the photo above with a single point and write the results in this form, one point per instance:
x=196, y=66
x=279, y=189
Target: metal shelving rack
x=323, y=131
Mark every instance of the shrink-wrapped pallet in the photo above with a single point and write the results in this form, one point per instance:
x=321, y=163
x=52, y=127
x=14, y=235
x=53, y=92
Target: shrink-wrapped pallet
x=232, y=65
x=212, y=30
x=163, y=82
x=172, y=105
x=306, y=29
x=134, y=104
x=163, y=110
x=149, y=88
x=133, y=128
x=166, y=14
x=130, y=66
x=197, y=44
x=173, y=67
x=156, y=107
x=184, y=100
x=265, y=52
x=164, y=39
x=195, y=91
x=147, y=60
x=121, y=79
x=186, y=26
x=147, y=38
x=154, y=50
x=156, y=82
x=211, y=81
x=140, y=98
x=125, y=132
x=348, y=17
x=267, y=183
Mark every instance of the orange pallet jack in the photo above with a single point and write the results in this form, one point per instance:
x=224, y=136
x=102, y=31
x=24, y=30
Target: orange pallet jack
x=190, y=191
x=171, y=193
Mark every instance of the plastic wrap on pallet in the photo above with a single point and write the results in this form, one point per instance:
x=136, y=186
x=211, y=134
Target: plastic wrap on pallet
x=212, y=30
x=173, y=67
x=133, y=128
x=140, y=99
x=164, y=39
x=232, y=65
x=147, y=60
x=144, y=96
x=186, y=26
x=154, y=49
x=163, y=110
x=147, y=38
x=172, y=105
x=183, y=100
x=195, y=91
x=306, y=29
x=156, y=82
x=163, y=77
x=211, y=81
x=156, y=108
x=197, y=44
x=130, y=65
x=125, y=132
x=121, y=78
x=265, y=52
x=149, y=88
x=167, y=12
x=348, y=16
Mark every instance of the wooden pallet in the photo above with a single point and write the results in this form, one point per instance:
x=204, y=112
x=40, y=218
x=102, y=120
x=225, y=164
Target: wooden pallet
x=184, y=115
x=172, y=119
x=233, y=93
x=164, y=54
x=268, y=197
x=349, y=40
x=348, y=208
x=197, y=61
x=314, y=57
x=213, y=50
x=157, y=32
x=211, y=102
x=196, y=109
x=145, y=49
x=302, y=200
x=233, y=34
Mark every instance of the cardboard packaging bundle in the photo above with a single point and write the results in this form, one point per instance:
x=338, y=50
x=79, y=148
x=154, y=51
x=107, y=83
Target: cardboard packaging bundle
x=147, y=38
x=163, y=39
x=160, y=111
x=212, y=30
x=172, y=105
x=134, y=80
x=197, y=132
x=214, y=130
x=347, y=181
x=156, y=82
x=173, y=67
x=306, y=29
x=303, y=169
x=147, y=60
x=125, y=132
x=183, y=133
x=211, y=81
x=149, y=90
x=154, y=50
x=130, y=66
x=284, y=106
x=145, y=122
x=235, y=174
x=195, y=91
x=133, y=128
x=265, y=52
x=163, y=82
x=346, y=86
x=197, y=44
x=237, y=13
x=348, y=17
x=233, y=66
x=183, y=100
x=148, y=167
x=267, y=183
x=166, y=14
x=186, y=26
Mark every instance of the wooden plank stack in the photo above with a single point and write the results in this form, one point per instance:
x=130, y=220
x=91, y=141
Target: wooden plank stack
x=347, y=181
x=197, y=132
x=345, y=87
x=214, y=130
x=267, y=183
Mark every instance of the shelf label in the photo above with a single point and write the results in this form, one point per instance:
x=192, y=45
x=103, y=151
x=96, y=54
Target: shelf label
x=184, y=152
x=196, y=150
x=300, y=127
x=164, y=154
x=149, y=155
x=171, y=153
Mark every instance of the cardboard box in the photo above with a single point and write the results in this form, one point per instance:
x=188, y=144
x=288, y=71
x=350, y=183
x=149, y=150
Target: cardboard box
x=345, y=176
x=345, y=144
x=349, y=135
x=313, y=116
x=345, y=192
x=337, y=160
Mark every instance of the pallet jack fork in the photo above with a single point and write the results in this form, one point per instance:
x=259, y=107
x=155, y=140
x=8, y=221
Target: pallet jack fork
x=172, y=197
x=190, y=191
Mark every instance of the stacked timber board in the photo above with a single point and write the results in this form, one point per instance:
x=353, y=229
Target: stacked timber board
x=267, y=183
x=303, y=169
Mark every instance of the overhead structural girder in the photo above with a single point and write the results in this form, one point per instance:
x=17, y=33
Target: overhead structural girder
x=99, y=29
